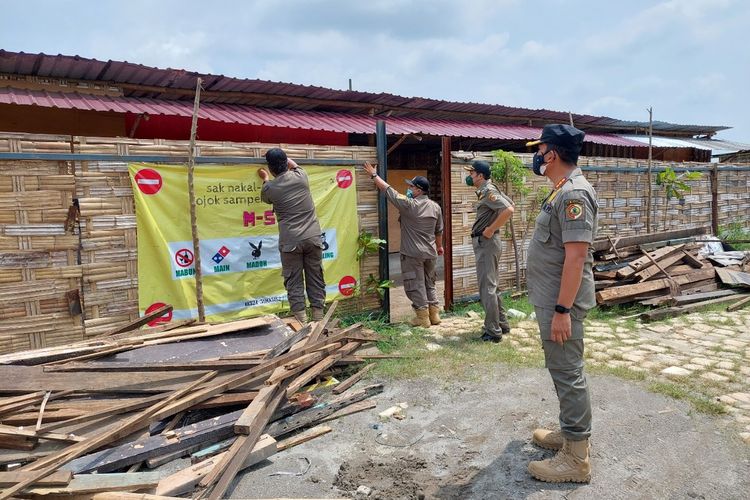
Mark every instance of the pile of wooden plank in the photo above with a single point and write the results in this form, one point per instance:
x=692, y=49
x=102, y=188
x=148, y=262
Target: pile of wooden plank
x=662, y=269
x=82, y=421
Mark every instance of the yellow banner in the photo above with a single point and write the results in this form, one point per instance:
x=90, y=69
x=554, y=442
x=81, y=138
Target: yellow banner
x=238, y=235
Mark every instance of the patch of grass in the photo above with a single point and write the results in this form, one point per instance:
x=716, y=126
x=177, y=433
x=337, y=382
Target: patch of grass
x=735, y=231
x=625, y=315
x=462, y=308
x=701, y=403
x=394, y=336
x=615, y=371
x=466, y=358
x=520, y=303
x=719, y=322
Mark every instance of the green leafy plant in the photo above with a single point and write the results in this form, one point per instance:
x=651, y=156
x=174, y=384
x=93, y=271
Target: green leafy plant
x=509, y=170
x=675, y=186
x=373, y=284
x=735, y=233
x=368, y=244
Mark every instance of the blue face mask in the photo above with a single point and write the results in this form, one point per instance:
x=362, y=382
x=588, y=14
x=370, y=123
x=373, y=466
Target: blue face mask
x=537, y=164
x=409, y=193
x=469, y=181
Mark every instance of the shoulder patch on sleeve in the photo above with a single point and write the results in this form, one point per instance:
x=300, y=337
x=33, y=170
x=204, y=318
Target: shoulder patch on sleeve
x=401, y=197
x=574, y=209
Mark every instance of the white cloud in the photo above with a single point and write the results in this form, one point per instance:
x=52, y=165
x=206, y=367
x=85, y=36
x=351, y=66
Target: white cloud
x=612, y=58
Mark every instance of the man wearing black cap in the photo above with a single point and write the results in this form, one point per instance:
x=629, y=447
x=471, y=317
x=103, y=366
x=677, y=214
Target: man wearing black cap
x=561, y=287
x=300, y=242
x=421, y=242
x=494, y=209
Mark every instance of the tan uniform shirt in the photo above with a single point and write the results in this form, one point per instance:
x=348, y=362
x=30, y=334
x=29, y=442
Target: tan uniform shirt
x=289, y=193
x=569, y=215
x=421, y=219
x=491, y=202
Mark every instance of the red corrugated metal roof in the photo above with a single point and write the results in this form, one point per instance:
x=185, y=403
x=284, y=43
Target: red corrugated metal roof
x=270, y=94
x=309, y=120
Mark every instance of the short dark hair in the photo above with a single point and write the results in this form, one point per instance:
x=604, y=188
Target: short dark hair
x=565, y=155
x=276, y=159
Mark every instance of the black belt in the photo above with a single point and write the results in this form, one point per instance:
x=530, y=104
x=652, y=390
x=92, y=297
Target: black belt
x=477, y=234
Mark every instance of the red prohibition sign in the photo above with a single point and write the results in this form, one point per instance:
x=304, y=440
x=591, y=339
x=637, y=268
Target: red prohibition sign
x=184, y=257
x=347, y=285
x=161, y=320
x=148, y=181
x=344, y=178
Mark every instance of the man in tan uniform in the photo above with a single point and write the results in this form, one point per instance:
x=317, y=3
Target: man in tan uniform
x=561, y=287
x=300, y=243
x=421, y=223
x=494, y=209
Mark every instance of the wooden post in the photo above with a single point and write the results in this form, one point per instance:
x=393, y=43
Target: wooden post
x=193, y=217
x=648, y=175
x=445, y=172
x=715, y=199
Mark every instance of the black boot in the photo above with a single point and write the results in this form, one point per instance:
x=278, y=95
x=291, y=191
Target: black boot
x=486, y=337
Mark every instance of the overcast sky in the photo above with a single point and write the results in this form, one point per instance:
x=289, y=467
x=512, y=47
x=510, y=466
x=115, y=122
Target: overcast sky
x=689, y=59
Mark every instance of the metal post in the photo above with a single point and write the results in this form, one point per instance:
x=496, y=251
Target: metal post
x=445, y=172
x=382, y=148
x=648, y=176
x=715, y=199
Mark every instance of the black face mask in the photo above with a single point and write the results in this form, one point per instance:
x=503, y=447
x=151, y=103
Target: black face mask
x=538, y=162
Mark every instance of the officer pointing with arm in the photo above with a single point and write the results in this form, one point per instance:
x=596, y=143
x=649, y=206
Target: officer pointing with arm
x=561, y=288
x=494, y=209
x=300, y=243
x=421, y=223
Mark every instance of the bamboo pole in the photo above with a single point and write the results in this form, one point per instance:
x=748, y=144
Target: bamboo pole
x=648, y=175
x=193, y=218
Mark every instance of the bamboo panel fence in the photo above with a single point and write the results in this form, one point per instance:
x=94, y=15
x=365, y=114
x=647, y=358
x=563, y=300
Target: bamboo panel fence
x=44, y=260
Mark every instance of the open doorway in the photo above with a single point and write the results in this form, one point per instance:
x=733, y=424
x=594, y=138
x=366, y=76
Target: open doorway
x=405, y=162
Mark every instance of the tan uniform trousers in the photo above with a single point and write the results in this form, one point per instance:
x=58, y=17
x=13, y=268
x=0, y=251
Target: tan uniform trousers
x=565, y=365
x=302, y=269
x=419, y=281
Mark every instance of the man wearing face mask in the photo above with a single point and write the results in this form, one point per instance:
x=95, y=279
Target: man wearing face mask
x=421, y=223
x=561, y=288
x=494, y=209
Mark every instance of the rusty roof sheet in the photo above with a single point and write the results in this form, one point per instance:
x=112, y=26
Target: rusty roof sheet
x=272, y=93
x=310, y=120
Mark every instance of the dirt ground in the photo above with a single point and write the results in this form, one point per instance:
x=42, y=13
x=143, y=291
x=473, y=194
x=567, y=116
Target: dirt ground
x=471, y=440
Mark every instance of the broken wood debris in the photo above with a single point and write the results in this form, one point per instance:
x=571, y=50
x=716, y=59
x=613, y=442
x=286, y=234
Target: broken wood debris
x=670, y=269
x=89, y=435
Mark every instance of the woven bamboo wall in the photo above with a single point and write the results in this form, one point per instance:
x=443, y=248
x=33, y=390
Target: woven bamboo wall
x=34, y=310
x=38, y=257
x=622, y=210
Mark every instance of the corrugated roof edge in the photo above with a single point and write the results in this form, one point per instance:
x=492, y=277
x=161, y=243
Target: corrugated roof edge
x=78, y=67
x=312, y=120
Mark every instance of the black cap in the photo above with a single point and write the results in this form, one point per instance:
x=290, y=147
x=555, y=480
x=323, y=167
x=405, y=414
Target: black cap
x=420, y=182
x=480, y=167
x=564, y=136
